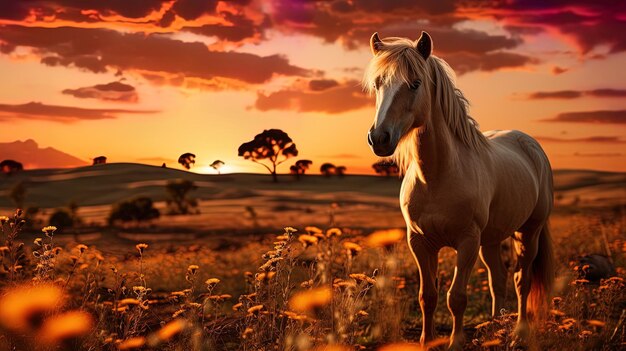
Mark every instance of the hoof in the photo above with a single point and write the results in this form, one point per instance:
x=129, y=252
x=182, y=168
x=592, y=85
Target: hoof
x=521, y=336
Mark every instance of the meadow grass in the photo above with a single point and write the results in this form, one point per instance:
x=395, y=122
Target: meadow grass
x=305, y=289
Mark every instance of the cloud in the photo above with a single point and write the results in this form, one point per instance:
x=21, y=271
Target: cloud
x=343, y=97
x=556, y=70
x=322, y=84
x=114, y=91
x=573, y=94
x=592, y=117
x=17, y=9
x=598, y=154
x=591, y=139
x=64, y=114
x=99, y=50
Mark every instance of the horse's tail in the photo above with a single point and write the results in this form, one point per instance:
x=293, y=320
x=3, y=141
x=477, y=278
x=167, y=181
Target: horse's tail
x=542, y=274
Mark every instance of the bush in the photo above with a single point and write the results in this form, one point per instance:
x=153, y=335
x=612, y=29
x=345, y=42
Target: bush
x=61, y=219
x=139, y=209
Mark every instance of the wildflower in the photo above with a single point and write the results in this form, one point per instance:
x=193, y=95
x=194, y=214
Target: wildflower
x=66, y=326
x=313, y=230
x=333, y=232
x=483, y=324
x=192, y=269
x=480, y=270
x=22, y=305
x=270, y=264
x=4, y=219
x=265, y=277
x=362, y=313
x=132, y=343
x=141, y=247
x=580, y=282
x=81, y=248
x=385, y=238
x=255, y=309
x=129, y=301
x=238, y=306
x=360, y=277
x=585, y=334
x=309, y=300
x=49, y=230
x=211, y=282
x=557, y=313
x=596, y=323
x=352, y=249
x=307, y=240
x=490, y=343
x=38, y=242
x=246, y=333
x=170, y=330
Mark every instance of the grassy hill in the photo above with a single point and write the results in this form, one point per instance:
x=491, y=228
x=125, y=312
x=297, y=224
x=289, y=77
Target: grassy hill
x=232, y=200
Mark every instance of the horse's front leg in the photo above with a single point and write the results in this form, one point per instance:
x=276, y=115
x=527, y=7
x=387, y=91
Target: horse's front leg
x=467, y=253
x=426, y=256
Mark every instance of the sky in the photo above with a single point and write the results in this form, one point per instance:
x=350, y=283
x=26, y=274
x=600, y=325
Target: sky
x=147, y=80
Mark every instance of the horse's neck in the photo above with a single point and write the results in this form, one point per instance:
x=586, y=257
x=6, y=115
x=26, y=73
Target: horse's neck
x=437, y=149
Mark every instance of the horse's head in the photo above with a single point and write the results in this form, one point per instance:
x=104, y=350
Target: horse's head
x=398, y=75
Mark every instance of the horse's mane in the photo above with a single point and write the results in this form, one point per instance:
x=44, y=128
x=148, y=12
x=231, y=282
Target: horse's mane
x=399, y=60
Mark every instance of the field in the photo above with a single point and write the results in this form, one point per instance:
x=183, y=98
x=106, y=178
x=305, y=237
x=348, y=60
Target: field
x=237, y=276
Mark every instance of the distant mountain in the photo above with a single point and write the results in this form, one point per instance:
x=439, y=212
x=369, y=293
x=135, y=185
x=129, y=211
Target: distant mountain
x=32, y=156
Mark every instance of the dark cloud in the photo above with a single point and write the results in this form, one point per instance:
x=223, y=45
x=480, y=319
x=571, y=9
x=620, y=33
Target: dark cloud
x=591, y=139
x=556, y=70
x=114, y=91
x=56, y=113
x=20, y=9
x=591, y=117
x=99, y=50
x=322, y=84
x=192, y=9
x=573, y=94
x=464, y=62
x=341, y=98
x=239, y=28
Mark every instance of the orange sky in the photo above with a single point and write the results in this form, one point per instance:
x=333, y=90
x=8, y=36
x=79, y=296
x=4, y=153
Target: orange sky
x=144, y=81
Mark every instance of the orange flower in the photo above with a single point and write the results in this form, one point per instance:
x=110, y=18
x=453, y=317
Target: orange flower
x=66, y=326
x=21, y=305
x=306, y=301
x=385, y=238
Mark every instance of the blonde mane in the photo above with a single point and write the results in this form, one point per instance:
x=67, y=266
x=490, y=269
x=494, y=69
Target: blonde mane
x=399, y=60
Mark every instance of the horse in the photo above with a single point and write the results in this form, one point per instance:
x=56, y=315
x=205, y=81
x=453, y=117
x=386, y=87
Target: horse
x=462, y=188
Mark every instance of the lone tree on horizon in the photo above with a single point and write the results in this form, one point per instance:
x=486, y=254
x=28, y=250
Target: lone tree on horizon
x=300, y=167
x=273, y=145
x=9, y=167
x=100, y=160
x=340, y=171
x=216, y=165
x=327, y=169
x=187, y=159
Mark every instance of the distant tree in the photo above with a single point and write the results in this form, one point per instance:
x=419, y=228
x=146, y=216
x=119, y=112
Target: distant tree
x=136, y=210
x=273, y=145
x=178, y=199
x=187, y=159
x=216, y=165
x=9, y=167
x=163, y=165
x=300, y=168
x=386, y=168
x=61, y=219
x=327, y=169
x=340, y=171
x=17, y=194
x=100, y=160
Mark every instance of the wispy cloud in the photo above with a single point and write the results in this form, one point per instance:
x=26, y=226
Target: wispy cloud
x=57, y=113
x=591, y=117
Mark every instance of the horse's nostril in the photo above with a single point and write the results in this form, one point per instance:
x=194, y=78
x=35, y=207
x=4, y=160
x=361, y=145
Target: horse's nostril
x=384, y=139
x=369, y=138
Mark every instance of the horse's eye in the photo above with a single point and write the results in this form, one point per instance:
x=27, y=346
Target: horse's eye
x=415, y=84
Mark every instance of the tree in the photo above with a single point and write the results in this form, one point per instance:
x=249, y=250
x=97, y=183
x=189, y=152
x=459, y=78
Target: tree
x=340, y=171
x=9, y=167
x=187, y=159
x=300, y=168
x=178, y=200
x=139, y=210
x=273, y=145
x=327, y=169
x=100, y=160
x=216, y=165
x=386, y=168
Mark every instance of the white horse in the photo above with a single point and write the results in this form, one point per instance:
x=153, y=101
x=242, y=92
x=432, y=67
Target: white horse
x=462, y=188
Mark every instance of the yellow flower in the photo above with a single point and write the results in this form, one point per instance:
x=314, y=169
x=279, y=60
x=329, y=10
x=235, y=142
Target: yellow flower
x=66, y=326
x=49, y=230
x=211, y=282
x=81, y=248
x=132, y=343
x=596, y=323
x=490, y=343
x=385, y=238
x=308, y=300
x=307, y=240
x=352, y=249
x=4, y=219
x=360, y=277
x=255, y=309
x=313, y=230
x=141, y=247
x=171, y=329
x=22, y=305
x=333, y=232
x=192, y=269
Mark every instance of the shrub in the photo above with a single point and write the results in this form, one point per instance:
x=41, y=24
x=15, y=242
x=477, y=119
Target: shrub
x=139, y=209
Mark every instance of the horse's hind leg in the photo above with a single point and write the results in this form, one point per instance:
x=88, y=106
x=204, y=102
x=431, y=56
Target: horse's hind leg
x=526, y=244
x=492, y=258
x=467, y=253
x=426, y=257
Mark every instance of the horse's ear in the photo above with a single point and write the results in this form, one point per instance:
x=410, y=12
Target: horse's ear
x=424, y=45
x=375, y=43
